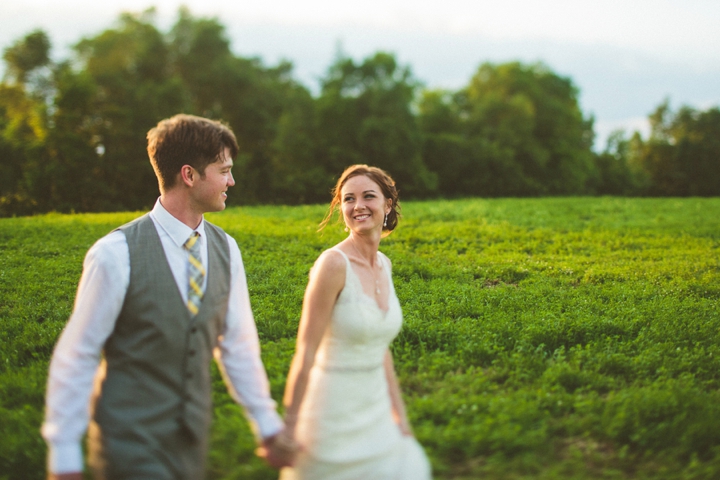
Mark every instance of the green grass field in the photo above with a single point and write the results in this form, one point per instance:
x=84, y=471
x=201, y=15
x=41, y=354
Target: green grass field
x=543, y=338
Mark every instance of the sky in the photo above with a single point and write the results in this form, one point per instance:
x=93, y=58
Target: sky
x=624, y=56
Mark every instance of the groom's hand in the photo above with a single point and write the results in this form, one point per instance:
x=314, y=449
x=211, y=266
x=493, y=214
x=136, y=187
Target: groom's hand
x=278, y=451
x=65, y=476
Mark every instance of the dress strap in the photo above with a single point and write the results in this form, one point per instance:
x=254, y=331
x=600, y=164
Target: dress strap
x=386, y=265
x=347, y=260
x=350, y=275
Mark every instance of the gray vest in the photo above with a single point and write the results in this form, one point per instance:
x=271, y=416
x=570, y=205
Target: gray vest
x=158, y=356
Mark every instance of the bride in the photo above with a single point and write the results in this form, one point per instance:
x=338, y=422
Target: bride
x=342, y=400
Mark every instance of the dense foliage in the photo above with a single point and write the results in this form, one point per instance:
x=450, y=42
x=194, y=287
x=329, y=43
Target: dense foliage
x=543, y=338
x=515, y=131
x=72, y=133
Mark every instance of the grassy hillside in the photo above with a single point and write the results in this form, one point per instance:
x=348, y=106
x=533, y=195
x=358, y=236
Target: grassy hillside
x=543, y=338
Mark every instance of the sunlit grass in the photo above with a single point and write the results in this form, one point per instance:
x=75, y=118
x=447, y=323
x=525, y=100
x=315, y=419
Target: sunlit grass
x=543, y=338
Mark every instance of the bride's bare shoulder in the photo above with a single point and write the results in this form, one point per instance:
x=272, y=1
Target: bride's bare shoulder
x=330, y=263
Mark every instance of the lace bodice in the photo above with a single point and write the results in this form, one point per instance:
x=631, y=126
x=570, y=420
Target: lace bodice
x=360, y=331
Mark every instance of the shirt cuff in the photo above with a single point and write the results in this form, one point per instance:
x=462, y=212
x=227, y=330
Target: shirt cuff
x=267, y=423
x=65, y=458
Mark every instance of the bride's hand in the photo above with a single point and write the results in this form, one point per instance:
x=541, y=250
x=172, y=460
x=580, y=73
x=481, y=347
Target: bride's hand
x=279, y=450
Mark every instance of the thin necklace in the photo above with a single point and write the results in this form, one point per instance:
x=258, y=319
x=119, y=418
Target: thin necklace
x=377, y=281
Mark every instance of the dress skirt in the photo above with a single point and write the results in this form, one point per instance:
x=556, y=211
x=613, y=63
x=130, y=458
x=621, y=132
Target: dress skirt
x=348, y=433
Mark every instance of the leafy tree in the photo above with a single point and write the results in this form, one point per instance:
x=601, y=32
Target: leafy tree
x=446, y=150
x=297, y=176
x=461, y=159
x=698, y=149
x=129, y=67
x=365, y=116
x=514, y=130
x=682, y=155
x=26, y=55
x=23, y=133
x=23, y=123
x=259, y=103
x=615, y=173
x=78, y=178
x=72, y=134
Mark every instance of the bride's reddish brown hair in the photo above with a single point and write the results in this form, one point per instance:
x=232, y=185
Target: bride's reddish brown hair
x=377, y=175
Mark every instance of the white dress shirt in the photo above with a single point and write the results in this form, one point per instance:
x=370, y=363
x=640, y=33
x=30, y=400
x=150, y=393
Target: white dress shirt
x=100, y=296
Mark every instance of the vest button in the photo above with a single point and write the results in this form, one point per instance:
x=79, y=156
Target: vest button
x=193, y=330
x=188, y=375
x=191, y=352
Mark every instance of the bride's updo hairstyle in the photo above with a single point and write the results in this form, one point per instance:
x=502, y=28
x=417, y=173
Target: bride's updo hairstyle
x=377, y=175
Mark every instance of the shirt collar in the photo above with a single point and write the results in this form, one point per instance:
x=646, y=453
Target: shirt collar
x=176, y=230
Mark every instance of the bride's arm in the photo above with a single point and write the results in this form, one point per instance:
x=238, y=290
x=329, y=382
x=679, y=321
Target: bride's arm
x=398, y=406
x=327, y=279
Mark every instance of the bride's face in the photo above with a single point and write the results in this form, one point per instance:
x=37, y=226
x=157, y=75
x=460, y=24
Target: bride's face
x=363, y=204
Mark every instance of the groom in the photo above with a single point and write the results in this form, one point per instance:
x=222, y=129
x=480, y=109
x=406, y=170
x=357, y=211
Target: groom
x=157, y=299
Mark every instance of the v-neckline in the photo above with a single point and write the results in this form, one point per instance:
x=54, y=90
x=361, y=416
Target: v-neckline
x=360, y=286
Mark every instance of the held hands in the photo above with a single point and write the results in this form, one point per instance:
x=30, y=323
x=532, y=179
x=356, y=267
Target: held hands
x=279, y=450
x=65, y=476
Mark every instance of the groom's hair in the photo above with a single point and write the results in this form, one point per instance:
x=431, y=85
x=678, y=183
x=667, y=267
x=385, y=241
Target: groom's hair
x=187, y=140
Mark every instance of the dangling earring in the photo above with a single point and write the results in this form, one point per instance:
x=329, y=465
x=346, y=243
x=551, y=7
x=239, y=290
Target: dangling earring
x=385, y=222
x=346, y=228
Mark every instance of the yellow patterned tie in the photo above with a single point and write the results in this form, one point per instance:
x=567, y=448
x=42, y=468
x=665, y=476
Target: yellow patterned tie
x=196, y=273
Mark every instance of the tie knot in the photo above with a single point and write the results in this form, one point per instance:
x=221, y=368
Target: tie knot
x=192, y=241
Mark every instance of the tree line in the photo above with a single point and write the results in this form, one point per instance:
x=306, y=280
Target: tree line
x=72, y=133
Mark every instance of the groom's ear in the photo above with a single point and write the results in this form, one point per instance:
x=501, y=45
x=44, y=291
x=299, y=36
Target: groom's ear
x=188, y=175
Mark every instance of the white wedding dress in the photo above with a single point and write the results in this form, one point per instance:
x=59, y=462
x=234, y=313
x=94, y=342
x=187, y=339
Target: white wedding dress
x=345, y=422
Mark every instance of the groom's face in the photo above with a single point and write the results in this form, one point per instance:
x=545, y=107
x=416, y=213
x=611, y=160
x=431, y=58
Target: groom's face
x=210, y=190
